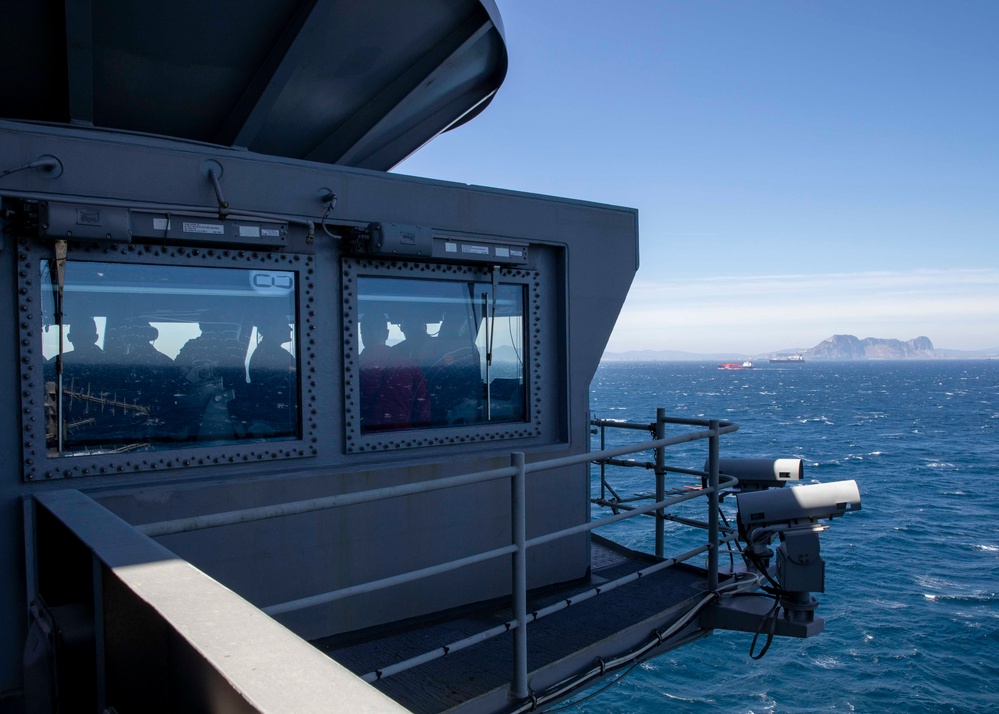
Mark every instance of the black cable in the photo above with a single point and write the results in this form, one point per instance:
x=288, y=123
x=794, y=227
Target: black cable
x=731, y=558
x=331, y=200
x=49, y=163
x=772, y=618
x=640, y=655
x=776, y=591
x=598, y=692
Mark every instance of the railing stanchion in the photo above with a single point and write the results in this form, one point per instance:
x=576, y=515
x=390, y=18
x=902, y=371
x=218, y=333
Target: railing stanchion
x=660, y=433
x=603, y=464
x=518, y=687
x=713, y=450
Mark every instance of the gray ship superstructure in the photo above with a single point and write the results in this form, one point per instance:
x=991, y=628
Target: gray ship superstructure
x=290, y=433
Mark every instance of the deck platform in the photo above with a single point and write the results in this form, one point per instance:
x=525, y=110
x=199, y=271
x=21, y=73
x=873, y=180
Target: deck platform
x=563, y=644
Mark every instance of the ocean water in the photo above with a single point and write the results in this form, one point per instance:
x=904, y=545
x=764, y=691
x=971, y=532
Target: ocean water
x=912, y=580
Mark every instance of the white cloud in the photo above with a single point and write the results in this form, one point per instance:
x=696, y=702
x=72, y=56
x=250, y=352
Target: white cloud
x=957, y=309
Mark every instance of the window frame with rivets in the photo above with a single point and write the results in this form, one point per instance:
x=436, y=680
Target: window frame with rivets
x=466, y=369
x=181, y=357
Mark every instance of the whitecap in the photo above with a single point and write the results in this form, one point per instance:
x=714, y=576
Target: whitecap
x=987, y=548
x=826, y=662
x=934, y=583
x=674, y=697
x=891, y=605
x=977, y=596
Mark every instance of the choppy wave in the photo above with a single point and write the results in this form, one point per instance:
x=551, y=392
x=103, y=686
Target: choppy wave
x=976, y=597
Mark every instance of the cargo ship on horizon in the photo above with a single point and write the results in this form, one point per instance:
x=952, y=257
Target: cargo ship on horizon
x=736, y=365
x=784, y=359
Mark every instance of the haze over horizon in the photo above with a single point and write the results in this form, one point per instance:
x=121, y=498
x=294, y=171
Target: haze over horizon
x=800, y=169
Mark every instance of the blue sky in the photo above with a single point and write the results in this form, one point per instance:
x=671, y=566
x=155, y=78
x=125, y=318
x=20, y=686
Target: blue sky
x=800, y=168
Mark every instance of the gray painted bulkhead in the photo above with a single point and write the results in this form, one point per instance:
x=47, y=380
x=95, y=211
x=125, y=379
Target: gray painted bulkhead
x=585, y=255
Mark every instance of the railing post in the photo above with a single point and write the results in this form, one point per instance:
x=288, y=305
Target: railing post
x=603, y=466
x=660, y=433
x=518, y=687
x=713, y=450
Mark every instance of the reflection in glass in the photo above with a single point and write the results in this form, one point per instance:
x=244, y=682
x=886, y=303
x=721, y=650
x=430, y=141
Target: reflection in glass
x=154, y=357
x=440, y=352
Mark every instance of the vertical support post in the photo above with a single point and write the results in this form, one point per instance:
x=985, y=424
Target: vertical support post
x=713, y=450
x=603, y=465
x=660, y=433
x=518, y=687
x=61, y=251
x=100, y=655
x=30, y=554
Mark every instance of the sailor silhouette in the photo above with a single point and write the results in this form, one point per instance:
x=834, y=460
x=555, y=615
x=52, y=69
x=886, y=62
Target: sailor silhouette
x=273, y=388
x=393, y=390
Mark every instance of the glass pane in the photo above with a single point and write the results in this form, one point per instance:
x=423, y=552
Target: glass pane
x=439, y=352
x=501, y=335
x=157, y=357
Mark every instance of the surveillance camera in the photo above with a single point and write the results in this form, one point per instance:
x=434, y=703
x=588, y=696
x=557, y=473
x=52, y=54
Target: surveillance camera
x=760, y=474
x=800, y=504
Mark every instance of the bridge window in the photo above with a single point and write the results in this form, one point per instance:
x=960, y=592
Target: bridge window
x=144, y=357
x=445, y=351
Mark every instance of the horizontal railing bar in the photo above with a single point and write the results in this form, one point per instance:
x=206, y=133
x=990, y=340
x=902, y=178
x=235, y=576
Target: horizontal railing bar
x=723, y=428
x=373, y=585
x=611, y=423
x=439, y=652
x=292, y=508
x=694, y=523
x=619, y=503
x=280, y=510
x=591, y=525
x=689, y=472
x=628, y=463
x=625, y=579
x=614, y=584
x=402, y=578
x=534, y=616
x=682, y=421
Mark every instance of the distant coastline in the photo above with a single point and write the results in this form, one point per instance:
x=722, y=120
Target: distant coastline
x=835, y=348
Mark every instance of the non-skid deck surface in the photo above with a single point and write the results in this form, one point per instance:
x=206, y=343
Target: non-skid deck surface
x=468, y=673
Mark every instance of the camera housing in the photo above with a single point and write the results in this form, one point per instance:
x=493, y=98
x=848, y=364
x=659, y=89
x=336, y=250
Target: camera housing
x=801, y=504
x=760, y=474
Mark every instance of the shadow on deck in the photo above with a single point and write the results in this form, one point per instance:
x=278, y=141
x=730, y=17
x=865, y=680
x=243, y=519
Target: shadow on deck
x=560, y=646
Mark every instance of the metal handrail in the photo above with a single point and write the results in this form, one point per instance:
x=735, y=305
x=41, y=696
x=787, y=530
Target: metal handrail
x=517, y=473
x=291, y=508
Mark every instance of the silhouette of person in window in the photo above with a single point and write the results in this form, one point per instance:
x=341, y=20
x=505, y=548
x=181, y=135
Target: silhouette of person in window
x=454, y=377
x=393, y=390
x=417, y=345
x=138, y=336
x=450, y=364
x=83, y=336
x=273, y=385
x=213, y=364
x=147, y=379
x=86, y=402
